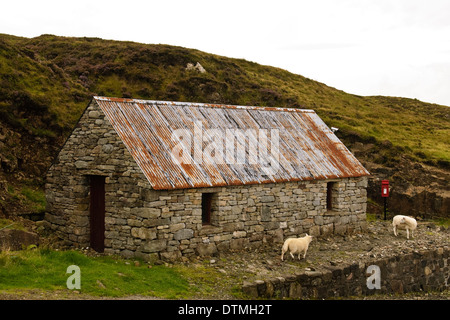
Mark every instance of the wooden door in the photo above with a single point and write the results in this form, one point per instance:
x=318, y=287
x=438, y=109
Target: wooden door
x=97, y=213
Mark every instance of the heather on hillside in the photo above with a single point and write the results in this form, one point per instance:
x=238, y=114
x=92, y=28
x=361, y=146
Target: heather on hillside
x=46, y=82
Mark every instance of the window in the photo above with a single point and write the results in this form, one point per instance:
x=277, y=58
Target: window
x=330, y=195
x=206, y=207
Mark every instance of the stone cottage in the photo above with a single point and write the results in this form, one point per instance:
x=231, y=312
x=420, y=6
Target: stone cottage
x=161, y=180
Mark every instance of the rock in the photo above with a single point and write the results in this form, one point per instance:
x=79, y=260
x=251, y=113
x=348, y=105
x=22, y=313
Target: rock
x=397, y=286
x=183, y=234
x=9, y=165
x=101, y=285
x=198, y=67
x=171, y=256
x=128, y=254
x=250, y=289
x=94, y=114
x=14, y=239
x=206, y=249
x=81, y=164
x=153, y=246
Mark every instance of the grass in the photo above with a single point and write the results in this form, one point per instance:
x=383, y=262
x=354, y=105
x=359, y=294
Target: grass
x=443, y=222
x=45, y=269
x=9, y=224
x=203, y=279
x=371, y=217
x=35, y=198
x=32, y=198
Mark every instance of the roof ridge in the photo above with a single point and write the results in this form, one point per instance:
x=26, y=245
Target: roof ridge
x=199, y=104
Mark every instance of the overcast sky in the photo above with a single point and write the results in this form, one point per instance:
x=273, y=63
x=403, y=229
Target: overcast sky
x=366, y=47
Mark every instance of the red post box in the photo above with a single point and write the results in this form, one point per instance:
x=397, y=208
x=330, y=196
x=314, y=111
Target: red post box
x=385, y=188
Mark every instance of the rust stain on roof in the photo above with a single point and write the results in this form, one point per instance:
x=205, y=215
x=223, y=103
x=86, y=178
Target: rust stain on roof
x=307, y=149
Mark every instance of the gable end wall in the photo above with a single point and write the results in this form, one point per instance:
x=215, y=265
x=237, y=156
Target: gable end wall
x=93, y=148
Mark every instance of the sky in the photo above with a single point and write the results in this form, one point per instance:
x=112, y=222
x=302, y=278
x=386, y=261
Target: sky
x=366, y=47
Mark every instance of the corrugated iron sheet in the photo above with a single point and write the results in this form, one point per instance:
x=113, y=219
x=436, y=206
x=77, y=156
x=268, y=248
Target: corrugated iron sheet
x=307, y=148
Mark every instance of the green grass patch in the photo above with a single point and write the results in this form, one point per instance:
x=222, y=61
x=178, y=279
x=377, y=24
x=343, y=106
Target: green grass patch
x=207, y=281
x=32, y=198
x=45, y=269
x=35, y=198
x=443, y=222
x=371, y=217
x=9, y=224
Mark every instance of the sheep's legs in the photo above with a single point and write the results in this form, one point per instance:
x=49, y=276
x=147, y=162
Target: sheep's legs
x=395, y=231
x=412, y=233
x=407, y=233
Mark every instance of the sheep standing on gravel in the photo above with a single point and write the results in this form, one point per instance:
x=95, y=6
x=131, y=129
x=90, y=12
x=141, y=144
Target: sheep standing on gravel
x=296, y=245
x=404, y=222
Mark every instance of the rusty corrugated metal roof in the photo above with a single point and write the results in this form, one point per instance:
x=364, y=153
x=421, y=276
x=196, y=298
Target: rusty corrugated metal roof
x=280, y=144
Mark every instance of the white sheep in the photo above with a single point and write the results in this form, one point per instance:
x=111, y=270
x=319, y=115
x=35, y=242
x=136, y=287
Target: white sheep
x=404, y=222
x=296, y=245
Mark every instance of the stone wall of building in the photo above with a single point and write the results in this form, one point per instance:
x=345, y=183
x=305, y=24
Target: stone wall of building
x=93, y=149
x=166, y=224
x=244, y=216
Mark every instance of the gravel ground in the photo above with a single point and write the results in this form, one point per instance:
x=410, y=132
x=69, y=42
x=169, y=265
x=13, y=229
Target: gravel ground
x=375, y=243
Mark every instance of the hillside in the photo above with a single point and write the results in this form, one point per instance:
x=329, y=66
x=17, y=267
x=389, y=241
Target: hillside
x=47, y=81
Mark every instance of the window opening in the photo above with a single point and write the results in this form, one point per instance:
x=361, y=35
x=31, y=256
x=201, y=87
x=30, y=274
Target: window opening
x=330, y=195
x=206, y=207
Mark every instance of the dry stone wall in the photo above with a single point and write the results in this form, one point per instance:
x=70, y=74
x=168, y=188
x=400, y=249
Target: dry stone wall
x=167, y=224
x=425, y=270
